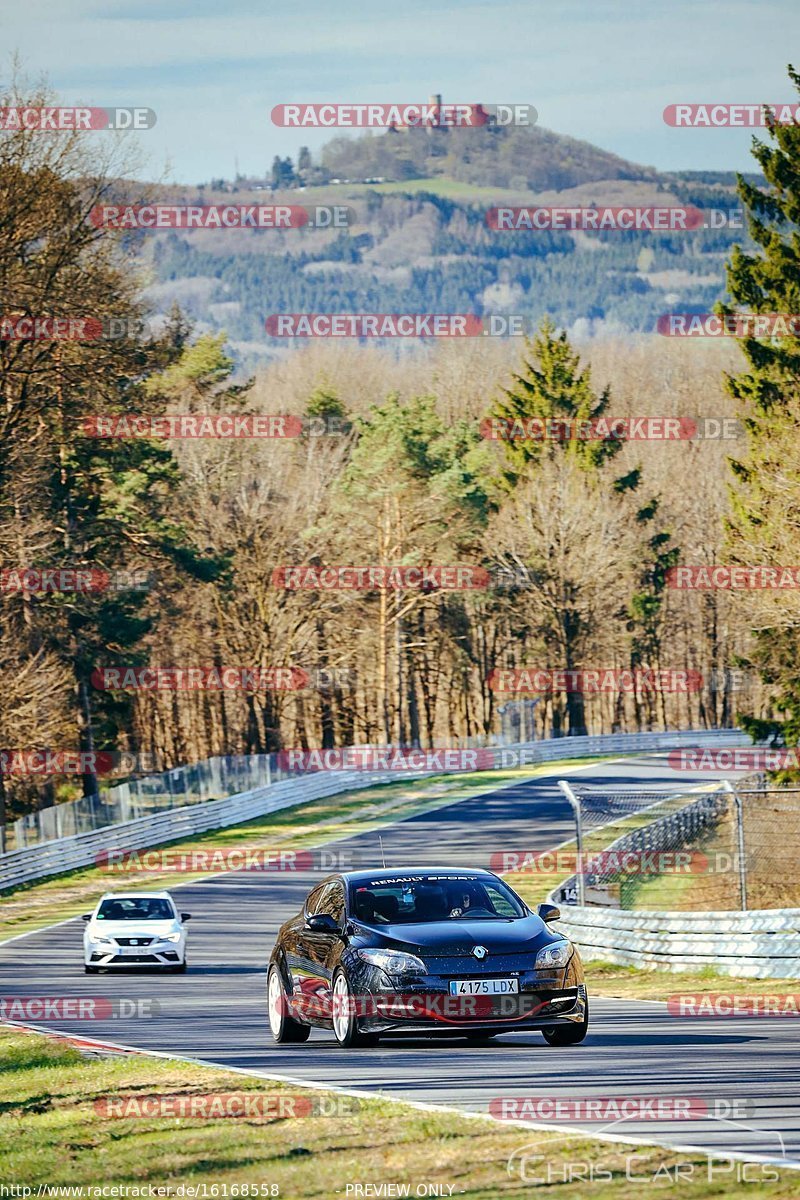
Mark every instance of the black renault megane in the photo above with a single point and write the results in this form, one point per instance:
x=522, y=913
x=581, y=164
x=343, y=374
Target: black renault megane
x=437, y=951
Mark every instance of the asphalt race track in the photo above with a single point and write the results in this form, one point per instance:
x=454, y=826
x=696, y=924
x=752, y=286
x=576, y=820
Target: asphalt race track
x=217, y=1011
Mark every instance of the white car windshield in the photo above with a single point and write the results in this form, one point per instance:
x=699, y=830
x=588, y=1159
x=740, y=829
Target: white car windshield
x=140, y=908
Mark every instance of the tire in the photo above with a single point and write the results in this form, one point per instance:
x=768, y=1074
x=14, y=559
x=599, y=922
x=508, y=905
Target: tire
x=181, y=967
x=345, y=1021
x=87, y=970
x=283, y=1027
x=567, y=1035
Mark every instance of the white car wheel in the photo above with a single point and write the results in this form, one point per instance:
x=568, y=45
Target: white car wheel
x=283, y=1027
x=274, y=992
x=341, y=1014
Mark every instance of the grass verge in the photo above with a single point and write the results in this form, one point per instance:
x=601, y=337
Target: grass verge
x=54, y=1131
x=635, y=983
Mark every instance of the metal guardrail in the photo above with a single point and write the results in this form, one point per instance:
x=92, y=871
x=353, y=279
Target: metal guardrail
x=760, y=944
x=81, y=849
x=208, y=780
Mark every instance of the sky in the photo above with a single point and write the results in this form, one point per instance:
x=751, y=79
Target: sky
x=599, y=70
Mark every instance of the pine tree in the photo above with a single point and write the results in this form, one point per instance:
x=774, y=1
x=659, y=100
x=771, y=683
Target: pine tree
x=763, y=527
x=553, y=387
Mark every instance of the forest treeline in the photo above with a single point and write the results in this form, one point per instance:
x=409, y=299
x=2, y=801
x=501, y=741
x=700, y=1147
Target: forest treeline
x=389, y=466
x=428, y=253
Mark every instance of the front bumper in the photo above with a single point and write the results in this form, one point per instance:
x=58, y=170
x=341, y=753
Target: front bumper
x=157, y=955
x=545, y=997
x=425, y=1010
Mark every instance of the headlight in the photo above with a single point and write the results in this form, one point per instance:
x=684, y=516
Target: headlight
x=100, y=941
x=557, y=954
x=394, y=962
x=170, y=937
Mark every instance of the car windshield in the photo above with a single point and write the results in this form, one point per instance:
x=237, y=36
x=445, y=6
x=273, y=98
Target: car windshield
x=422, y=898
x=136, y=908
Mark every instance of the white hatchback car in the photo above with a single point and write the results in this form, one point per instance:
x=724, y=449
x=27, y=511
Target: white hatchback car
x=134, y=929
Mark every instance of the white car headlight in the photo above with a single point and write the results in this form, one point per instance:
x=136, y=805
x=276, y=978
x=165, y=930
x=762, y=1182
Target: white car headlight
x=97, y=940
x=394, y=962
x=170, y=937
x=557, y=954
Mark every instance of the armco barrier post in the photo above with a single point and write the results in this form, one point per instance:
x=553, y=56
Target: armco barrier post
x=728, y=787
x=576, y=806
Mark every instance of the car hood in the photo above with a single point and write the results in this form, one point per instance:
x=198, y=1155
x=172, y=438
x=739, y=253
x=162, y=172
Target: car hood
x=450, y=938
x=134, y=929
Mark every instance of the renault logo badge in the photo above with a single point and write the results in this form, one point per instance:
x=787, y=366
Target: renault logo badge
x=480, y=952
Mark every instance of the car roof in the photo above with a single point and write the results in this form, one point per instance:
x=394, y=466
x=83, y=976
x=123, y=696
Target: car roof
x=386, y=873
x=135, y=896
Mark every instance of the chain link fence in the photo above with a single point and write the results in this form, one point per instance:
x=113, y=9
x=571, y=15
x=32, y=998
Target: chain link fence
x=212, y=779
x=713, y=849
x=771, y=843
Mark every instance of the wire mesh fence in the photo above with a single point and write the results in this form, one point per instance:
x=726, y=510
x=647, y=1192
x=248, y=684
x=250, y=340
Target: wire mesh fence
x=633, y=846
x=715, y=849
x=212, y=779
x=771, y=842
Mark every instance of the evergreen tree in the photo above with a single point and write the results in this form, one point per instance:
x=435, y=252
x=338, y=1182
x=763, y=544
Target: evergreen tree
x=551, y=388
x=538, y=420
x=763, y=528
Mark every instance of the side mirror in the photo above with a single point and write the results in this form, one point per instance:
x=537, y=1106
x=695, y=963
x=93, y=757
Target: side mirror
x=322, y=923
x=186, y=916
x=86, y=917
x=548, y=912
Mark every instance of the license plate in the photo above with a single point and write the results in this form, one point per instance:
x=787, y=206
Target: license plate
x=134, y=950
x=483, y=987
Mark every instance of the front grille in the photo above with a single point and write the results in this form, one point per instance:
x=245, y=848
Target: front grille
x=137, y=941
x=134, y=958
